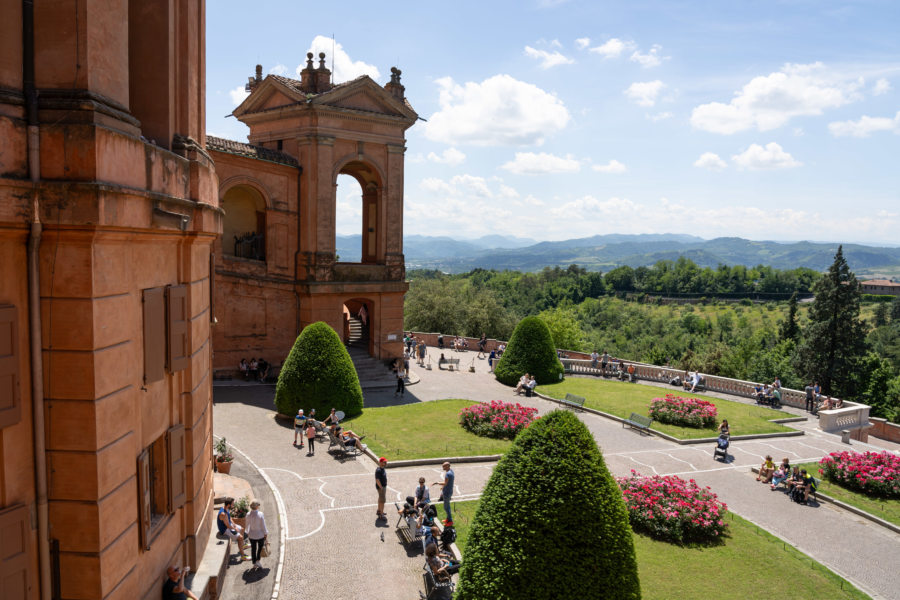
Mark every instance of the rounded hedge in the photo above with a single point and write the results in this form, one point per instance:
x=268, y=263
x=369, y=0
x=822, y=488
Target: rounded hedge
x=530, y=350
x=319, y=374
x=552, y=523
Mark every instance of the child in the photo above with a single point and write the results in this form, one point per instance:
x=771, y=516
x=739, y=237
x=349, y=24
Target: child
x=311, y=436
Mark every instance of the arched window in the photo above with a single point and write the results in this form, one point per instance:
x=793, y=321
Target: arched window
x=244, y=229
x=348, y=219
x=356, y=203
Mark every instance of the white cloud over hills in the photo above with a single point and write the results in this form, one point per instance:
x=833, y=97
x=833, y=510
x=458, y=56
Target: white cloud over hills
x=501, y=110
x=769, y=101
x=541, y=163
x=345, y=68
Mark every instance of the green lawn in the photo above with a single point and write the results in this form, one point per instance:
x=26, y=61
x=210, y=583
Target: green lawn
x=750, y=564
x=621, y=399
x=422, y=430
x=887, y=509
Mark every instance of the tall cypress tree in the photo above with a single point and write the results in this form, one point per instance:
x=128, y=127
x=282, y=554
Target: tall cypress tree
x=790, y=330
x=834, y=341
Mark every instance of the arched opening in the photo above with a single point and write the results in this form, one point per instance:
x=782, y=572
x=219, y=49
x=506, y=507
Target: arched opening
x=368, y=188
x=244, y=227
x=348, y=219
x=357, y=317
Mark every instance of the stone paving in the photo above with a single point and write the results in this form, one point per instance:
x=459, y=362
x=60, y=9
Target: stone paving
x=335, y=546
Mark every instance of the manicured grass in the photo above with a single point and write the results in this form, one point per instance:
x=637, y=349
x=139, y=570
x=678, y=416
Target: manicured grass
x=621, y=399
x=749, y=564
x=883, y=508
x=422, y=430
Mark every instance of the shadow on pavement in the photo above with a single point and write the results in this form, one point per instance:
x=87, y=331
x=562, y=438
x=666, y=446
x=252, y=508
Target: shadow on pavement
x=254, y=575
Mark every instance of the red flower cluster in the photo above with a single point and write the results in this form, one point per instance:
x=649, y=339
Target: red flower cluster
x=872, y=473
x=671, y=508
x=675, y=410
x=497, y=419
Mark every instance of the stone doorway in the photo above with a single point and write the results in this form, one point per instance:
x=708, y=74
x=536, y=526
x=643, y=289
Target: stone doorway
x=357, y=317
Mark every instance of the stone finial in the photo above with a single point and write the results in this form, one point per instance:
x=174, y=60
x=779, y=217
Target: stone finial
x=394, y=86
x=258, y=72
x=309, y=60
x=252, y=82
x=321, y=61
x=395, y=75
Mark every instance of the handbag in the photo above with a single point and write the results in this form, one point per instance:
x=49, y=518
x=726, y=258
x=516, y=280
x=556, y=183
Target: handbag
x=264, y=551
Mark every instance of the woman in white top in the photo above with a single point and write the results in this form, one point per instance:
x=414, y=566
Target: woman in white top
x=257, y=532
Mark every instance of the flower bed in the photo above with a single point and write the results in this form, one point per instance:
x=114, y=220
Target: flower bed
x=671, y=508
x=497, y=419
x=873, y=473
x=675, y=410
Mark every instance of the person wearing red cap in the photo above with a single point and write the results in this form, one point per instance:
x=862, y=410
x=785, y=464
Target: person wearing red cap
x=381, y=486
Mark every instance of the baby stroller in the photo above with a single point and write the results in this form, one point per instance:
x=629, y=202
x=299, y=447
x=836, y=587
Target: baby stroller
x=721, y=448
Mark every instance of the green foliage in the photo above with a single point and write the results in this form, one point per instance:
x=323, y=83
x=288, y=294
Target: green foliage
x=530, y=350
x=790, y=329
x=879, y=395
x=564, y=328
x=895, y=310
x=834, y=340
x=880, y=298
x=551, y=523
x=881, y=315
x=319, y=374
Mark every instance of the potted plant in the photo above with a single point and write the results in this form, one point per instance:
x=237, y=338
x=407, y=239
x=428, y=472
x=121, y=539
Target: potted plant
x=224, y=458
x=239, y=511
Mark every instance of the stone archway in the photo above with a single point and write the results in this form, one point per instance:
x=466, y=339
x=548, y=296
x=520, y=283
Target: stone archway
x=359, y=324
x=244, y=225
x=370, y=182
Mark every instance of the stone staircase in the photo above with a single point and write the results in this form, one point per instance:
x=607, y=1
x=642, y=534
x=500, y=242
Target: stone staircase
x=372, y=372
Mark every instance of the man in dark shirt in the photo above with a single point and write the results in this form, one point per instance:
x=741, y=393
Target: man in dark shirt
x=810, y=397
x=381, y=485
x=173, y=588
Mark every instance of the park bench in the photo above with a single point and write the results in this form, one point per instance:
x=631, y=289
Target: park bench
x=407, y=533
x=639, y=422
x=434, y=589
x=573, y=401
x=321, y=430
x=453, y=364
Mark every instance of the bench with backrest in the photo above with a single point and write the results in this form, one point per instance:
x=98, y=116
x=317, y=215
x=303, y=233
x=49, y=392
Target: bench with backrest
x=453, y=364
x=573, y=401
x=435, y=589
x=639, y=422
x=321, y=430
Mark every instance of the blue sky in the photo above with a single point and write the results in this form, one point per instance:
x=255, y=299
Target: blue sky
x=557, y=119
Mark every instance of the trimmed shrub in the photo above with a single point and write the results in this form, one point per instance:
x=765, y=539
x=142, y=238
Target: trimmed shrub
x=552, y=523
x=530, y=350
x=319, y=374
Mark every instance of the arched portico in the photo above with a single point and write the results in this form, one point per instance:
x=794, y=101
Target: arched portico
x=370, y=182
x=244, y=225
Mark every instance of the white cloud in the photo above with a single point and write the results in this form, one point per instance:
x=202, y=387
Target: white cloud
x=758, y=158
x=650, y=59
x=711, y=161
x=548, y=59
x=768, y=102
x=865, y=126
x=582, y=43
x=238, y=95
x=882, y=86
x=661, y=116
x=644, y=93
x=450, y=156
x=530, y=163
x=344, y=68
x=612, y=48
x=501, y=110
x=278, y=69
x=612, y=166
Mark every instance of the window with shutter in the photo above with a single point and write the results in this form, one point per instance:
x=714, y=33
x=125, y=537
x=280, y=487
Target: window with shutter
x=15, y=550
x=179, y=347
x=154, y=334
x=10, y=406
x=177, y=465
x=144, y=497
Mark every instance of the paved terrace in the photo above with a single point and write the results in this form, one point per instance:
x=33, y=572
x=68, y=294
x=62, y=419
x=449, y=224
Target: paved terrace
x=335, y=548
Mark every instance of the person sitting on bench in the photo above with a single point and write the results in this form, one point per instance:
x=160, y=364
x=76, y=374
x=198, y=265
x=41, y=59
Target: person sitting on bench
x=442, y=567
x=441, y=361
x=523, y=381
x=347, y=437
x=529, y=387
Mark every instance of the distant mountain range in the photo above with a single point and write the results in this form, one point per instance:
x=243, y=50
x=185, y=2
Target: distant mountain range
x=605, y=252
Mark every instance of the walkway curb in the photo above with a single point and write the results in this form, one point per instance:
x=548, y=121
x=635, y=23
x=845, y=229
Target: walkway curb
x=711, y=440
x=418, y=462
x=849, y=507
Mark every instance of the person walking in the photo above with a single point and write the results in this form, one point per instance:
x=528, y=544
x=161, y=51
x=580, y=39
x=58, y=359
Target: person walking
x=257, y=532
x=311, y=436
x=447, y=488
x=381, y=486
x=401, y=379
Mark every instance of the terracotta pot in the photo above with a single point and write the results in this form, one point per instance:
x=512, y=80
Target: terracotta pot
x=242, y=521
x=223, y=467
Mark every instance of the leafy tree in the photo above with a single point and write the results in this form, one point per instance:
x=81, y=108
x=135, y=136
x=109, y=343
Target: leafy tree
x=881, y=315
x=552, y=523
x=318, y=373
x=620, y=279
x=878, y=394
x=789, y=329
x=564, y=328
x=530, y=350
x=834, y=339
x=895, y=310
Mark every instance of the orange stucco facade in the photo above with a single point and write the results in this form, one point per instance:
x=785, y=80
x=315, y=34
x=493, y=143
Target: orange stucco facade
x=276, y=267
x=107, y=193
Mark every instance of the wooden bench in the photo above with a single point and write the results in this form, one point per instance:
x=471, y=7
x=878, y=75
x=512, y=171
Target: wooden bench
x=409, y=535
x=639, y=422
x=573, y=401
x=434, y=589
x=451, y=363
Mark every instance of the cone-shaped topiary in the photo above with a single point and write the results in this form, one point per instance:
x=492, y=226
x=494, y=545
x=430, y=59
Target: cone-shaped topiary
x=552, y=523
x=318, y=373
x=530, y=350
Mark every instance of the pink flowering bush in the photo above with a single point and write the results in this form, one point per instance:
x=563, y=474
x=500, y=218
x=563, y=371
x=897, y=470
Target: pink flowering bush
x=497, y=419
x=872, y=473
x=675, y=410
x=671, y=508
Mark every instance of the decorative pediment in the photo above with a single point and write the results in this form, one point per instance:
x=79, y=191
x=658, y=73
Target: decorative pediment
x=363, y=94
